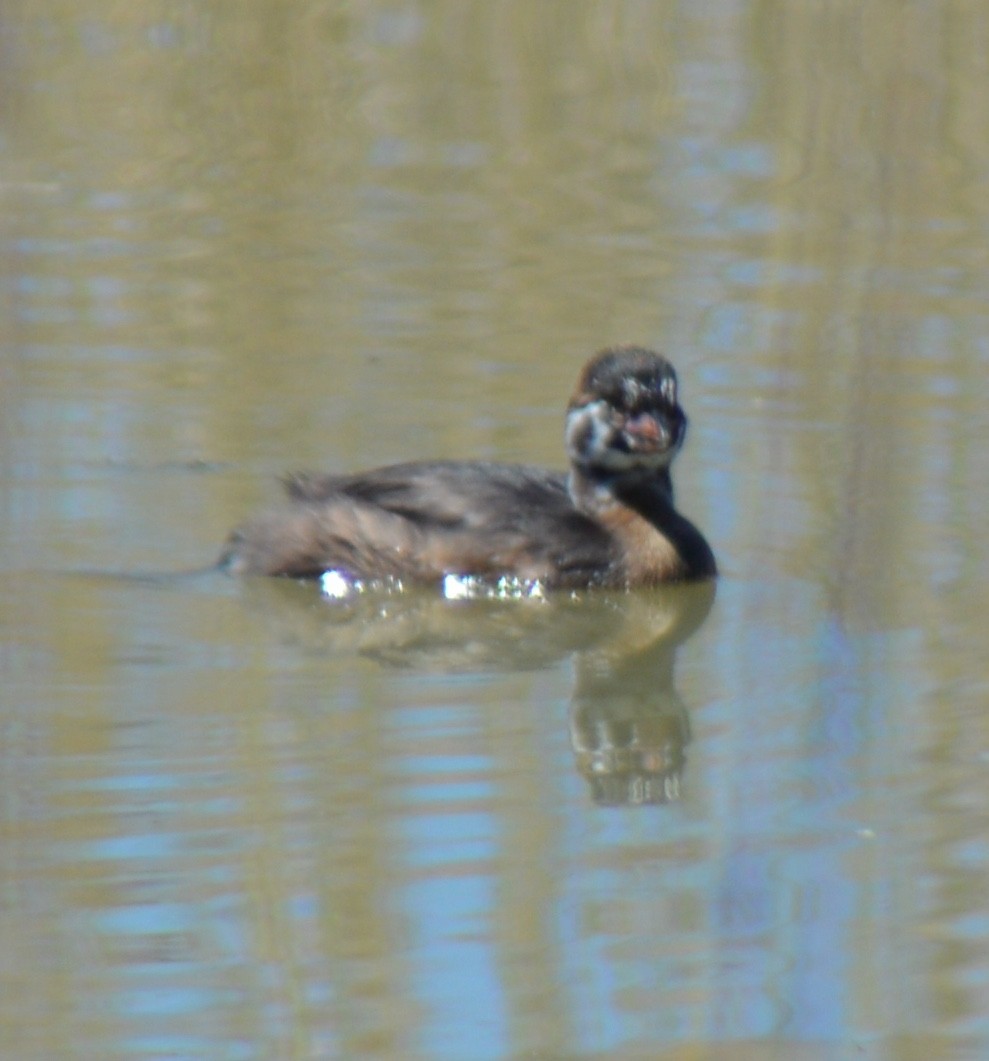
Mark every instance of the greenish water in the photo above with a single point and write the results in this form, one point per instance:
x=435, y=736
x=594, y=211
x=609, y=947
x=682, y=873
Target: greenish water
x=238, y=821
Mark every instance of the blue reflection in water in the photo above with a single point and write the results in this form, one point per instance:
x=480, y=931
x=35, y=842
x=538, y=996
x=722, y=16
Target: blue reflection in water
x=448, y=894
x=456, y=974
x=750, y=930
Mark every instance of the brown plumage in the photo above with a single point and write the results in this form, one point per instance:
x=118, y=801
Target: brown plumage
x=610, y=522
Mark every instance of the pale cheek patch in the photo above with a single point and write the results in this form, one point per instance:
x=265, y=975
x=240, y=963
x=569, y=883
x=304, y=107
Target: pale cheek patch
x=588, y=432
x=590, y=440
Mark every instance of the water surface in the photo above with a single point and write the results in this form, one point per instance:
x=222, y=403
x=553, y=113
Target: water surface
x=239, y=821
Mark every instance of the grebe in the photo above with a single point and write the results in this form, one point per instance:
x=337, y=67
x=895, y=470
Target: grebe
x=609, y=522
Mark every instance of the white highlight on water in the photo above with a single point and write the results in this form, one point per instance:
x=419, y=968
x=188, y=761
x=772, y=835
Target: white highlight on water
x=335, y=585
x=339, y=586
x=470, y=587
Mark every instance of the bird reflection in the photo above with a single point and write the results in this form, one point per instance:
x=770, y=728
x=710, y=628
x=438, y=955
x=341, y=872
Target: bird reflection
x=628, y=725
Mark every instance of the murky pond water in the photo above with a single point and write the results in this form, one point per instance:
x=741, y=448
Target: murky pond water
x=241, y=821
